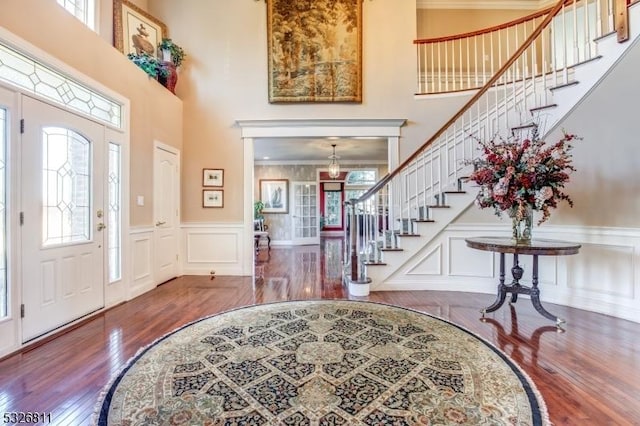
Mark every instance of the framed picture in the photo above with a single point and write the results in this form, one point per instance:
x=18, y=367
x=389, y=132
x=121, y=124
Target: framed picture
x=212, y=198
x=212, y=177
x=134, y=30
x=274, y=194
x=314, y=50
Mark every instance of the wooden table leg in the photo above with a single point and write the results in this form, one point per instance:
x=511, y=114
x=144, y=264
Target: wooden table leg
x=535, y=295
x=502, y=291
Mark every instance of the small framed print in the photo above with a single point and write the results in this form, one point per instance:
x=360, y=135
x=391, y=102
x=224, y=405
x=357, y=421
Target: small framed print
x=213, y=198
x=213, y=177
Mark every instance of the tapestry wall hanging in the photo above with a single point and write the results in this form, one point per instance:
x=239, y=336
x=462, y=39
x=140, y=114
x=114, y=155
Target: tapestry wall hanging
x=315, y=50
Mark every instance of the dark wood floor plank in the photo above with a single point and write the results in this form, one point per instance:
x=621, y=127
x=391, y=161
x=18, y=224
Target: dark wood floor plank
x=589, y=375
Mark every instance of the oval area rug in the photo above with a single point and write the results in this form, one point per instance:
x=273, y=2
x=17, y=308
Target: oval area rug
x=321, y=363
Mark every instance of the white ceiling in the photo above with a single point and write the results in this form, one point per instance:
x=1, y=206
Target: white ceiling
x=319, y=149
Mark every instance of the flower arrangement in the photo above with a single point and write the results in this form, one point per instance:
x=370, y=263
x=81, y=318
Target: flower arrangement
x=520, y=176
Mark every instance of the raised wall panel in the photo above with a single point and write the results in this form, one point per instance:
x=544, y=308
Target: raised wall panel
x=467, y=262
x=142, y=259
x=141, y=249
x=606, y=269
x=208, y=247
x=218, y=248
x=429, y=263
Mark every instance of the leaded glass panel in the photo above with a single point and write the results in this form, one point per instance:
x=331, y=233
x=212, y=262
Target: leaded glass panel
x=114, y=218
x=4, y=290
x=66, y=186
x=29, y=75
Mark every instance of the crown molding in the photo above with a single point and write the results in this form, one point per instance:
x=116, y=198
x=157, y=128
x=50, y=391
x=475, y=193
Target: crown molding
x=484, y=4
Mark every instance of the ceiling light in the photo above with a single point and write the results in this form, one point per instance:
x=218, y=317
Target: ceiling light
x=334, y=167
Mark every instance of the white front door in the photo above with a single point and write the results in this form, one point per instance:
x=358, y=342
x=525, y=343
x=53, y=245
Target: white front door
x=62, y=170
x=304, y=204
x=166, y=183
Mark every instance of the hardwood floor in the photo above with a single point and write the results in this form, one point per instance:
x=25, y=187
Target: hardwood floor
x=589, y=375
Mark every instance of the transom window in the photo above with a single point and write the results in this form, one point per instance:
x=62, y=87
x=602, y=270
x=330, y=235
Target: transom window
x=84, y=10
x=361, y=177
x=21, y=71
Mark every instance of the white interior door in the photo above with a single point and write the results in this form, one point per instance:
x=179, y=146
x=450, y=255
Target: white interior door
x=166, y=183
x=63, y=217
x=304, y=204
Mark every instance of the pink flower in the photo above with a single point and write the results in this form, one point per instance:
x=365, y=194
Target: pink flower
x=513, y=174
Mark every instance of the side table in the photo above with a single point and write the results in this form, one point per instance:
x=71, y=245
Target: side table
x=535, y=248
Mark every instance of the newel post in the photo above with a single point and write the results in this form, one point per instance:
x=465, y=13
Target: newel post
x=353, y=241
x=622, y=20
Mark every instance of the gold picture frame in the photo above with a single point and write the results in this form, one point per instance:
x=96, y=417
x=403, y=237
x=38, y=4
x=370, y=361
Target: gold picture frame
x=314, y=51
x=134, y=30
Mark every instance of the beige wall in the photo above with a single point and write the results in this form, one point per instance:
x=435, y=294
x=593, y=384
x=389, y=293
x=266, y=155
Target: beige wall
x=445, y=22
x=156, y=114
x=225, y=79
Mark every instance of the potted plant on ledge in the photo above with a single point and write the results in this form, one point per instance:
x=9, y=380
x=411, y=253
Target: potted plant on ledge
x=171, y=52
x=172, y=57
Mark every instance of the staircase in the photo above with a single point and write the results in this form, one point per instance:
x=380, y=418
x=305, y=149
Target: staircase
x=544, y=79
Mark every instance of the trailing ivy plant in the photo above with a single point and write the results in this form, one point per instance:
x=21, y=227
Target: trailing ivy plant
x=149, y=64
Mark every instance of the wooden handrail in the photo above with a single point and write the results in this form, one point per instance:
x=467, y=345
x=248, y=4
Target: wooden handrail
x=487, y=30
x=387, y=178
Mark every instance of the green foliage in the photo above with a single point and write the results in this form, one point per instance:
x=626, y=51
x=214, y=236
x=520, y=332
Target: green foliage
x=177, y=52
x=257, y=210
x=149, y=64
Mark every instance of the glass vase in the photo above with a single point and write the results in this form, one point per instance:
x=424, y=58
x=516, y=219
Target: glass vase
x=522, y=227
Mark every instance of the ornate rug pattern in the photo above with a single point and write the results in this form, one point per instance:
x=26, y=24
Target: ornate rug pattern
x=321, y=363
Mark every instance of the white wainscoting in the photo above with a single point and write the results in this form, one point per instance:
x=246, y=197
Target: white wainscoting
x=603, y=277
x=141, y=249
x=214, y=247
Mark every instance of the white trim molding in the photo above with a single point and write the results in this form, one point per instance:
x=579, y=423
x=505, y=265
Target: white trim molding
x=603, y=277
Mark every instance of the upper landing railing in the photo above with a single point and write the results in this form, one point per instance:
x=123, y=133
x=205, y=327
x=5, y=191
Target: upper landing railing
x=467, y=61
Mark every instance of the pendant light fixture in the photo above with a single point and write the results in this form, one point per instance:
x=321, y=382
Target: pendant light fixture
x=334, y=167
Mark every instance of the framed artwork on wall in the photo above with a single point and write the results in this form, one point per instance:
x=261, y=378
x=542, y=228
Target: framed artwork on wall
x=314, y=50
x=274, y=194
x=212, y=198
x=134, y=30
x=213, y=177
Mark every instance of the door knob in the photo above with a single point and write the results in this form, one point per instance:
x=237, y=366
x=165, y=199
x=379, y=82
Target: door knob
x=101, y=226
x=160, y=223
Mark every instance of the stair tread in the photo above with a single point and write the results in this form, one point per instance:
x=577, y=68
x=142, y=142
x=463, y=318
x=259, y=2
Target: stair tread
x=524, y=126
x=391, y=249
x=423, y=220
x=437, y=206
x=455, y=192
x=406, y=234
x=560, y=86
x=375, y=263
x=540, y=108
